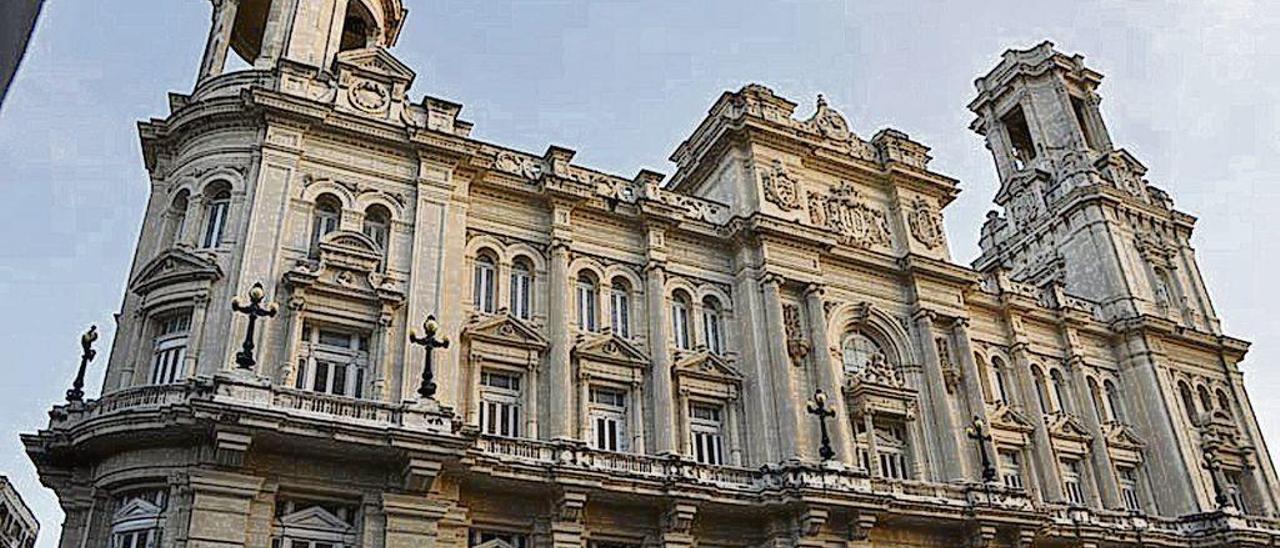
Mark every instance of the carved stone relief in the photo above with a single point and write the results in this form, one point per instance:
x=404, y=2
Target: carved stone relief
x=781, y=188
x=844, y=212
x=925, y=225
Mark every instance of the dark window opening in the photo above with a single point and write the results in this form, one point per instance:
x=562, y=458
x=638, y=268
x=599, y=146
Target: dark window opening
x=357, y=27
x=1077, y=105
x=1024, y=149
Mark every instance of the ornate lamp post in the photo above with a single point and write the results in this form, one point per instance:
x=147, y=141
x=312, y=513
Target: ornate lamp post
x=429, y=342
x=977, y=432
x=87, y=353
x=254, y=310
x=818, y=407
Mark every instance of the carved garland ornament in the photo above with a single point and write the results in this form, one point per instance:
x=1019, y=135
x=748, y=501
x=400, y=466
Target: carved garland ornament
x=926, y=228
x=797, y=348
x=857, y=223
x=781, y=188
x=518, y=165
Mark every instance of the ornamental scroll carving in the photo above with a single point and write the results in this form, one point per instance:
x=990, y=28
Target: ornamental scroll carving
x=925, y=226
x=516, y=164
x=844, y=212
x=781, y=188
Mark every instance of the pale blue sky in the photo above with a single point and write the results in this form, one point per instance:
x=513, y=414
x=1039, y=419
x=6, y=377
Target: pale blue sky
x=1191, y=89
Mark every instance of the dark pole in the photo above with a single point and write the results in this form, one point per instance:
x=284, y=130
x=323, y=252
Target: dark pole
x=977, y=432
x=87, y=354
x=818, y=407
x=429, y=342
x=254, y=310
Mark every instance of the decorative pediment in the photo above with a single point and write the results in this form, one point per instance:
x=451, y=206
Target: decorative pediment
x=704, y=364
x=1006, y=418
x=175, y=265
x=1122, y=436
x=136, y=508
x=829, y=122
x=376, y=61
x=610, y=348
x=504, y=329
x=1068, y=427
x=348, y=267
x=351, y=249
x=315, y=518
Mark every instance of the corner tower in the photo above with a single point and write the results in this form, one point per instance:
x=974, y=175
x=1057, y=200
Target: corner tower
x=1076, y=209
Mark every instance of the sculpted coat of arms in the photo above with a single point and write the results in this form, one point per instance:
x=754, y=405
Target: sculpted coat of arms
x=843, y=211
x=926, y=228
x=781, y=188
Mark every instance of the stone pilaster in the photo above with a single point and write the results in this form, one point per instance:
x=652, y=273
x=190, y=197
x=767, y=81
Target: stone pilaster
x=663, y=389
x=677, y=526
x=411, y=520
x=1049, y=484
x=559, y=375
x=949, y=460
x=787, y=399
x=972, y=390
x=830, y=373
x=220, y=508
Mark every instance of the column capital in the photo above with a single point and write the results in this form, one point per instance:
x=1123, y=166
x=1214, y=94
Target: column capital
x=815, y=289
x=560, y=244
x=924, y=313
x=960, y=323
x=773, y=278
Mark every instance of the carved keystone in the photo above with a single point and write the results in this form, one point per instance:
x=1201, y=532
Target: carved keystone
x=679, y=518
x=571, y=507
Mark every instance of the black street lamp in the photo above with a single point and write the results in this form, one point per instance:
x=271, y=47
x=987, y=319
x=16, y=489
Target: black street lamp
x=818, y=407
x=87, y=353
x=977, y=432
x=254, y=310
x=430, y=342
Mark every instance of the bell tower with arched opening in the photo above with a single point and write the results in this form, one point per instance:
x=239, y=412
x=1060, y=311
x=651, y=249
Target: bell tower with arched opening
x=266, y=33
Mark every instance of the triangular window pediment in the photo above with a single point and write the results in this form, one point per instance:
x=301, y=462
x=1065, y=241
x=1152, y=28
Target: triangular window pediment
x=377, y=60
x=495, y=543
x=610, y=348
x=315, y=518
x=506, y=329
x=706, y=364
x=1121, y=436
x=1008, y=419
x=174, y=266
x=137, y=509
x=1068, y=427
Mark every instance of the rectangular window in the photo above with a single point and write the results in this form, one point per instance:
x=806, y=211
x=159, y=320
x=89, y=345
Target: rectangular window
x=1020, y=141
x=1235, y=491
x=1072, y=488
x=1078, y=106
x=891, y=449
x=1127, y=477
x=500, y=404
x=706, y=429
x=1010, y=469
x=608, y=413
x=169, y=348
x=332, y=361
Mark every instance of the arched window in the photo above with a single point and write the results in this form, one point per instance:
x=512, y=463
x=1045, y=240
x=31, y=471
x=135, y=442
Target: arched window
x=484, y=284
x=588, y=305
x=1224, y=402
x=521, y=288
x=1206, y=401
x=858, y=350
x=215, y=225
x=356, y=27
x=1095, y=394
x=1113, y=400
x=178, y=217
x=713, y=325
x=998, y=371
x=1188, y=402
x=377, y=226
x=680, y=320
x=620, y=307
x=325, y=219
x=1042, y=390
x=1059, y=390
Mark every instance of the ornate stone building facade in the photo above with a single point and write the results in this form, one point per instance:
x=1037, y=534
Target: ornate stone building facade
x=633, y=359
